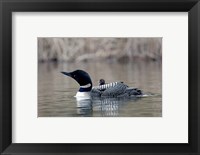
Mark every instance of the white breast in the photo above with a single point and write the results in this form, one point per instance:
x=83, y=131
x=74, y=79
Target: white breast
x=83, y=95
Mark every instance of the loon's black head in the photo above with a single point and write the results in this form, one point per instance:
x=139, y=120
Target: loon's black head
x=82, y=78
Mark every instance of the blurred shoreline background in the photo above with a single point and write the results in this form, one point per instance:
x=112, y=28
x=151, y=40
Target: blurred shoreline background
x=55, y=49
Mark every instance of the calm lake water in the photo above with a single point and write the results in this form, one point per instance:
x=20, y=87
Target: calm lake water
x=56, y=92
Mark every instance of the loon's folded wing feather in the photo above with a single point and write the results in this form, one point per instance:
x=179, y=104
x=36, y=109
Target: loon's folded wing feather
x=108, y=85
x=114, y=91
x=106, y=89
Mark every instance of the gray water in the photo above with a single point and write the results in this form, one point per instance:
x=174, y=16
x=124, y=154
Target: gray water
x=56, y=92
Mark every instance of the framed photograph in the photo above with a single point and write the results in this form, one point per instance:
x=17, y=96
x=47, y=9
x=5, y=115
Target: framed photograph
x=100, y=77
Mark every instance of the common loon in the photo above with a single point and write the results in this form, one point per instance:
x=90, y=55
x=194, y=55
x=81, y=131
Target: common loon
x=114, y=89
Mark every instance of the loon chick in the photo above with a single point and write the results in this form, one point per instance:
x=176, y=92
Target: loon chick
x=114, y=89
x=101, y=82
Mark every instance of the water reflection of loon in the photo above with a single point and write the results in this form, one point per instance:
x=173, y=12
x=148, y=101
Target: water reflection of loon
x=114, y=89
x=101, y=106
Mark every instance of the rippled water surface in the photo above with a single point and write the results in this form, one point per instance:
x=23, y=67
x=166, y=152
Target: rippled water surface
x=56, y=92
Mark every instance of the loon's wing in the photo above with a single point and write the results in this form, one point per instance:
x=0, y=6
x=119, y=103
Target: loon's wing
x=114, y=91
x=108, y=90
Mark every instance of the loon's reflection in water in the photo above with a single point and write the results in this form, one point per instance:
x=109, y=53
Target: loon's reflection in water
x=84, y=107
x=103, y=106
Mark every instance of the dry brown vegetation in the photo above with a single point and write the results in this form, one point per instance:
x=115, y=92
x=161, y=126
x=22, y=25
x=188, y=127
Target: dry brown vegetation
x=94, y=49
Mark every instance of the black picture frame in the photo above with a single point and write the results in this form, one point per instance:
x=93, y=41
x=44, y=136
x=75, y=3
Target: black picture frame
x=9, y=6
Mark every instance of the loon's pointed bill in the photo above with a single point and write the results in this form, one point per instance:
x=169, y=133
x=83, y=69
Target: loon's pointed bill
x=66, y=73
x=114, y=89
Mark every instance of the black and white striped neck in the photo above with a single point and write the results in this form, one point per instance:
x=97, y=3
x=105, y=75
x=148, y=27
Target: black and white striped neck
x=86, y=88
